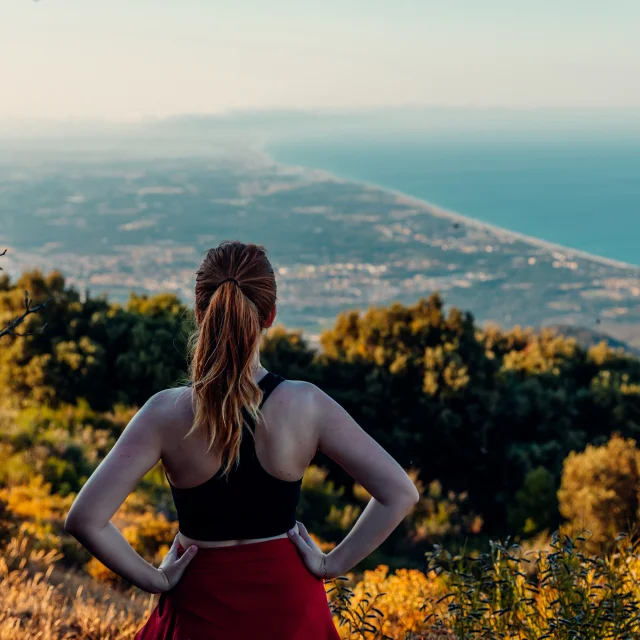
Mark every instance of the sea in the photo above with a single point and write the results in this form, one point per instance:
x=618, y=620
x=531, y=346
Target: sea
x=582, y=191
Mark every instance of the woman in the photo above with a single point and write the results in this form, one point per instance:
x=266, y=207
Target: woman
x=235, y=443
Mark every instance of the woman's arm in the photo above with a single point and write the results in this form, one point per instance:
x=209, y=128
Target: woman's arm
x=393, y=492
x=89, y=520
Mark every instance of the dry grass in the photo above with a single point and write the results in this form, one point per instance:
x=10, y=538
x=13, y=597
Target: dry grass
x=42, y=601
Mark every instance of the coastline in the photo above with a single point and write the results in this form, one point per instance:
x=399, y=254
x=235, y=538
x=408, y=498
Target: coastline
x=366, y=246
x=442, y=212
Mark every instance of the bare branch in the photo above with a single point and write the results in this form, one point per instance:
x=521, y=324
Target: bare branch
x=18, y=320
x=26, y=333
x=10, y=329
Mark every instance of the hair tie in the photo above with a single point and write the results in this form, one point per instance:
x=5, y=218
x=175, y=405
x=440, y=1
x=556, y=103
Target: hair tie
x=230, y=280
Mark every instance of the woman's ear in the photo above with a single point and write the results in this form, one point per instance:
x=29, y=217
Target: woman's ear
x=271, y=317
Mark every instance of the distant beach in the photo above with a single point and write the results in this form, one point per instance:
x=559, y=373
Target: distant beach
x=509, y=201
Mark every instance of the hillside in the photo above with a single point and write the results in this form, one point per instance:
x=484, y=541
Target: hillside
x=587, y=338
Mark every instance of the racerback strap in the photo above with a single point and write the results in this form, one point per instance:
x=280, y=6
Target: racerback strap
x=268, y=383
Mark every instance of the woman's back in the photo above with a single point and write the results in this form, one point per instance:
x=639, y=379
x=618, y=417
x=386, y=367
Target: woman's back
x=258, y=497
x=285, y=444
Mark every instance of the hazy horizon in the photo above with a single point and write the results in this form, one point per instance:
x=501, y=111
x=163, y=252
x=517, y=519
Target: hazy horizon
x=128, y=61
x=260, y=125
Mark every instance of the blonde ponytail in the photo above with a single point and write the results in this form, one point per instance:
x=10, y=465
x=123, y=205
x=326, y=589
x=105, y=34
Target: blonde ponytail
x=235, y=293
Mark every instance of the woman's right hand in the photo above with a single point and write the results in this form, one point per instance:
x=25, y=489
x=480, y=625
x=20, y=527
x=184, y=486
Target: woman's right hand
x=313, y=557
x=172, y=567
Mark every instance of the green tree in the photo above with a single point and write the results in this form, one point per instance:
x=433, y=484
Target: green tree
x=535, y=506
x=91, y=349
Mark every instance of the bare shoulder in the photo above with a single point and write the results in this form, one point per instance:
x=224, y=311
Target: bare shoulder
x=307, y=396
x=293, y=405
x=297, y=396
x=169, y=399
x=169, y=406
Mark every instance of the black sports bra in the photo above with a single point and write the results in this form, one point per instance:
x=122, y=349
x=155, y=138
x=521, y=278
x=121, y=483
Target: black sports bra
x=249, y=503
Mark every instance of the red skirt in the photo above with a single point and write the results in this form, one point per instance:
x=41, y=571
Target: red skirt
x=255, y=591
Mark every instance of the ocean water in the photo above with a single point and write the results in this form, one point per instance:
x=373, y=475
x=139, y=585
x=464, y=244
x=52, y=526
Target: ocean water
x=582, y=192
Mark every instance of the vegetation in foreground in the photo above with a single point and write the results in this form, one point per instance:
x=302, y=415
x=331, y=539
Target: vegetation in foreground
x=505, y=433
x=561, y=592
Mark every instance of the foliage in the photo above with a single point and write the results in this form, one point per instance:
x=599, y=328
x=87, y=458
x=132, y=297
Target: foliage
x=570, y=593
x=440, y=517
x=10, y=326
x=600, y=489
x=478, y=410
x=91, y=349
x=535, y=506
x=384, y=604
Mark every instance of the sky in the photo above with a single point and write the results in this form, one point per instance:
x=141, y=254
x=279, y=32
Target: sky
x=126, y=60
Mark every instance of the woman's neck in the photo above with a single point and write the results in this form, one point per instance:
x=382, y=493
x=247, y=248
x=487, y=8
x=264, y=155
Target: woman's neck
x=258, y=370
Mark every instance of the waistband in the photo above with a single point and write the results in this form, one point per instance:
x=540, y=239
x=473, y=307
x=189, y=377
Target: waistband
x=251, y=551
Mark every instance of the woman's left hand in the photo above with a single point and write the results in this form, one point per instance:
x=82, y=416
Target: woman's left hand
x=172, y=567
x=312, y=555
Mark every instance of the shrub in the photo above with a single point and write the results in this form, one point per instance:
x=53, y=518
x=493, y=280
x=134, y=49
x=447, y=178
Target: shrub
x=536, y=503
x=599, y=489
x=571, y=594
